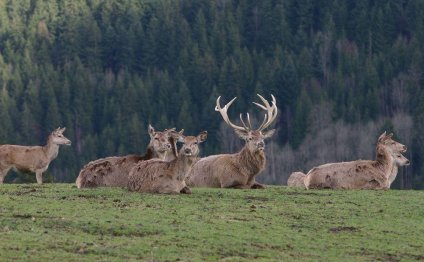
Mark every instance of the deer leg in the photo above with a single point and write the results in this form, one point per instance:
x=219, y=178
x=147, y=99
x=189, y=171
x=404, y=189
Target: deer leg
x=3, y=174
x=258, y=186
x=239, y=186
x=39, y=176
x=255, y=185
x=186, y=190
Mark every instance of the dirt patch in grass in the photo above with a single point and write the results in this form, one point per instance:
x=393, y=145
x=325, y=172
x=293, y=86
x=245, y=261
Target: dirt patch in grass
x=256, y=198
x=305, y=193
x=19, y=193
x=343, y=229
x=26, y=216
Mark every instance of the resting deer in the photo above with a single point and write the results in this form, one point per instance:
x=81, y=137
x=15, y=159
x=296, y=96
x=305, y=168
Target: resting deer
x=296, y=179
x=113, y=171
x=34, y=159
x=237, y=170
x=158, y=176
x=361, y=174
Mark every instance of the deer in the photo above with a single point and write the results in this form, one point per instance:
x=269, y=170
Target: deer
x=158, y=176
x=237, y=170
x=296, y=179
x=361, y=174
x=113, y=171
x=35, y=159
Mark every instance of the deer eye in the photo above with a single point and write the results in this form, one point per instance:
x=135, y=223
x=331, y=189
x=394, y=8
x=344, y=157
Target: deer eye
x=250, y=139
x=195, y=143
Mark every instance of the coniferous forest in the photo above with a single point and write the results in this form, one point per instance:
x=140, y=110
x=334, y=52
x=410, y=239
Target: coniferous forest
x=342, y=71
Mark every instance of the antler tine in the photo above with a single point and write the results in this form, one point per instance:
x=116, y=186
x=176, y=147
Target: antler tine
x=248, y=121
x=244, y=124
x=223, y=112
x=263, y=122
x=271, y=114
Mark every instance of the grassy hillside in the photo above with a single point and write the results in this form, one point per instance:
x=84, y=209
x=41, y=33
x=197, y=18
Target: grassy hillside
x=59, y=222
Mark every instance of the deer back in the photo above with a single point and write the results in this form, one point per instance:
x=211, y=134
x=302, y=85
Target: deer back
x=113, y=171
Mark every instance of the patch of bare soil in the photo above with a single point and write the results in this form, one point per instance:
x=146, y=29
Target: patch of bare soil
x=343, y=229
x=257, y=198
x=19, y=193
x=22, y=216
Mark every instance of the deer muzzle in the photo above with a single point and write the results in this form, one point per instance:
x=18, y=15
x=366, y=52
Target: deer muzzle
x=187, y=151
x=261, y=145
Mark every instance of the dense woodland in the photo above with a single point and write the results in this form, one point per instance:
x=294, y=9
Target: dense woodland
x=342, y=71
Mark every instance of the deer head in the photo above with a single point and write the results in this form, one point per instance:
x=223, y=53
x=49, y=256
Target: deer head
x=254, y=138
x=160, y=141
x=401, y=160
x=190, y=143
x=392, y=145
x=58, y=138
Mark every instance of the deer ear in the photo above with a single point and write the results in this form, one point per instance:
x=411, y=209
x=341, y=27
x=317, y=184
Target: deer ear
x=390, y=135
x=181, y=138
x=177, y=136
x=169, y=130
x=382, y=137
x=63, y=130
x=202, y=136
x=268, y=133
x=151, y=131
x=243, y=134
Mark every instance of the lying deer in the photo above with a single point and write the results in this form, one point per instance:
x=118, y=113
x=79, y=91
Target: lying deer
x=34, y=159
x=113, y=171
x=361, y=174
x=237, y=170
x=296, y=179
x=158, y=176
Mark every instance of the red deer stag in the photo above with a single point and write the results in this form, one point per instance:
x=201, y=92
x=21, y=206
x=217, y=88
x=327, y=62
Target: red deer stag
x=361, y=174
x=237, y=170
x=34, y=159
x=157, y=176
x=113, y=171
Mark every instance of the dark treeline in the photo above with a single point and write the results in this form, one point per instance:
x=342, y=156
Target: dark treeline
x=105, y=69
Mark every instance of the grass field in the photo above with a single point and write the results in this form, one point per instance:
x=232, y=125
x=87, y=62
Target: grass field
x=59, y=222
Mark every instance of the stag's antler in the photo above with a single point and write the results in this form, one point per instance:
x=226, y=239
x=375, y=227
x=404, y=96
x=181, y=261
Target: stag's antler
x=224, y=114
x=270, y=116
x=271, y=113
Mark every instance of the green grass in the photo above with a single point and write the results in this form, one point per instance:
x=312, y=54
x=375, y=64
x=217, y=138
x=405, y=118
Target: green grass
x=59, y=222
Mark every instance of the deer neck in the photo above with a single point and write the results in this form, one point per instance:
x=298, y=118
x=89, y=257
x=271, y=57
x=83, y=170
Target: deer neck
x=393, y=174
x=183, y=165
x=51, y=150
x=150, y=153
x=385, y=162
x=251, y=162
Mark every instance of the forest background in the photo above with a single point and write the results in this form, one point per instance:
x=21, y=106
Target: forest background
x=342, y=71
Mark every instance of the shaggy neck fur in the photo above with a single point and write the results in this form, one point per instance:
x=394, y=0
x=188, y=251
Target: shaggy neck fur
x=51, y=150
x=384, y=161
x=182, y=165
x=150, y=153
x=252, y=163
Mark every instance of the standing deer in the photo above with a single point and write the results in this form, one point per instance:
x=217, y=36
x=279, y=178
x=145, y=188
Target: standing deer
x=158, y=176
x=361, y=174
x=237, y=170
x=113, y=171
x=34, y=159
